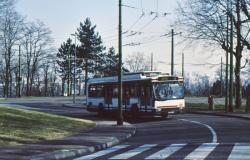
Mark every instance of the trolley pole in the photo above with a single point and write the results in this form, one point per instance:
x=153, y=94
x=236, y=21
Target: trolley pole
x=120, y=116
x=74, y=96
x=221, y=79
x=230, y=107
x=182, y=71
x=152, y=61
x=19, y=72
x=226, y=85
x=172, y=53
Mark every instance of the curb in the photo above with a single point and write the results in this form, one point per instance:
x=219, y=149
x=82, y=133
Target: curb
x=63, y=154
x=219, y=114
x=73, y=106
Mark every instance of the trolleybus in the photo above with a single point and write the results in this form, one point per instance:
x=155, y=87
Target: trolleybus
x=144, y=93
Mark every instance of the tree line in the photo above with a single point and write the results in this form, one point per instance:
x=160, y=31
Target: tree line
x=26, y=51
x=208, y=21
x=31, y=66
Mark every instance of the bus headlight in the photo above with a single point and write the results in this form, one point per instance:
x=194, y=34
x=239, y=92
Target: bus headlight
x=181, y=105
x=158, y=109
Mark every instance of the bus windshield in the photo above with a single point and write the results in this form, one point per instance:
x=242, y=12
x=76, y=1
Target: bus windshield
x=168, y=91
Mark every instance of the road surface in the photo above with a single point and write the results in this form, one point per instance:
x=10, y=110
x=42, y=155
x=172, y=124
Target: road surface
x=186, y=136
x=183, y=136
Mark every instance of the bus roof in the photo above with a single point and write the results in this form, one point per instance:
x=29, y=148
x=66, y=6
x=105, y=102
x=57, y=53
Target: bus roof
x=136, y=76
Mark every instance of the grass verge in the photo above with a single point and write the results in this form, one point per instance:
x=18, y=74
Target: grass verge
x=19, y=126
x=217, y=107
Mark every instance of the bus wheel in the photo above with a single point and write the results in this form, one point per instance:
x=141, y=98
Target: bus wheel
x=181, y=111
x=134, y=111
x=164, y=114
x=101, y=109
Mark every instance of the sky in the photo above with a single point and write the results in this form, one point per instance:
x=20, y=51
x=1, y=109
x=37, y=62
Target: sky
x=63, y=17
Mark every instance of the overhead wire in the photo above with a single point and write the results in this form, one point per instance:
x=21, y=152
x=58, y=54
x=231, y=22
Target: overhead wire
x=131, y=33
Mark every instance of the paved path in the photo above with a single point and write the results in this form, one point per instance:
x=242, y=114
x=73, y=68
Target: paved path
x=106, y=134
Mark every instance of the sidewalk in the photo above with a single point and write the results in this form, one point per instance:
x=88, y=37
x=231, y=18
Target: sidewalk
x=105, y=134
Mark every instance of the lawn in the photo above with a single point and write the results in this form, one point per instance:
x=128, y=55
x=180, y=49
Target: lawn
x=19, y=126
x=217, y=107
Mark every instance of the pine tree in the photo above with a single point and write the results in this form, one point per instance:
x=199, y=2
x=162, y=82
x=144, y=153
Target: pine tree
x=64, y=61
x=90, y=49
x=111, y=62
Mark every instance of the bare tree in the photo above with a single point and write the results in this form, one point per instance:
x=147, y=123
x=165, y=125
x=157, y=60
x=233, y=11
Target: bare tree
x=37, y=45
x=10, y=25
x=137, y=62
x=206, y=20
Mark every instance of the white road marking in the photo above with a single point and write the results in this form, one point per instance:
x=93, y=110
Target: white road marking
x=214, y=140
x=102, y=153
x=134, y=152
x=201, y=152
x=166, y=152
x=240, y=152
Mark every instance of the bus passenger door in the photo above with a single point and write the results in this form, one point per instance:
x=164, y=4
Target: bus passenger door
x=145, y=96
x=126, y=96
x=108, y=95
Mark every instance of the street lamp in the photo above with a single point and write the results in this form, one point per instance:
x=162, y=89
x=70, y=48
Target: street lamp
x=74, y=95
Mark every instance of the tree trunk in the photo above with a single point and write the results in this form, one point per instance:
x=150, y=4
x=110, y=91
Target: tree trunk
x=17, y=83
x=237, y=83
x=79, y=87
x=10, y=85
x=238, y=56
x=86, y=77
x=68, y=83
x=31, y=84
x=46, y=82
x=6, y=83
x=63, y=88
x=7, y=73
x=27, y=81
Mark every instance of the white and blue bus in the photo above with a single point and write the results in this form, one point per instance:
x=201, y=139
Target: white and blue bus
x=144, y=93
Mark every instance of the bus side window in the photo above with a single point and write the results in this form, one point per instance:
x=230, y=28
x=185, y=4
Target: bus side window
x=96, y=91
x=115, y=91
x=99, y=91
x=91, y=91
x=133, y=90
x=108, y=93
x=126, y=95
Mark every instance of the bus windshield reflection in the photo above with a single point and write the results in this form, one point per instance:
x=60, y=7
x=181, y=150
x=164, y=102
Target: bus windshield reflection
x=168, y=91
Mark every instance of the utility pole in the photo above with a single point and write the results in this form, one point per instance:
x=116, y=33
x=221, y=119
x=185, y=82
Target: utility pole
x=69, y=70
x=230, y=107
x=74, y=96
x=182, y=73
x=19, y=72
x=120, y=116
x=172, y=53
x=226, y=79
x=221, y=84
x=152, y=61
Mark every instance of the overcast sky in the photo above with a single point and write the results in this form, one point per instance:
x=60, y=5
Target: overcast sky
x=64, y=16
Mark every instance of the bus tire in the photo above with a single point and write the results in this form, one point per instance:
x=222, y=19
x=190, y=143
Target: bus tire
x=101, y=109
x=134, y=111
x=181, y=111
x=164, y=114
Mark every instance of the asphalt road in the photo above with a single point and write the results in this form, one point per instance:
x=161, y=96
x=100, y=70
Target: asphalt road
x=184, y=136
